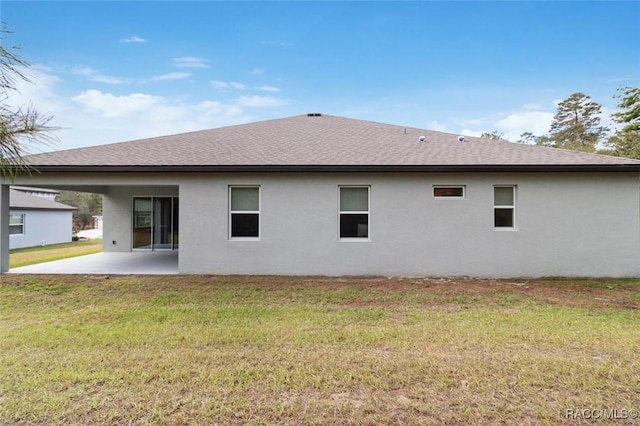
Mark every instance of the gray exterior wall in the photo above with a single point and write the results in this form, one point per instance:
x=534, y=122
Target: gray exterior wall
x=42, y=227
x=568, y=224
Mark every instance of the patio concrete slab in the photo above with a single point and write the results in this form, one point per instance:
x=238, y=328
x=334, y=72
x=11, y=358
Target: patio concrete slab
x=134, y=263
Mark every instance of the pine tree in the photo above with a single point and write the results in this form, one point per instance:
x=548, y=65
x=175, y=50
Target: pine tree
x=626, y=141
x=576, y=125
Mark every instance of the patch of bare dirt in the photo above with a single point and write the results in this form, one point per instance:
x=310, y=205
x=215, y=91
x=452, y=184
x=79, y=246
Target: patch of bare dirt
x=597, y=293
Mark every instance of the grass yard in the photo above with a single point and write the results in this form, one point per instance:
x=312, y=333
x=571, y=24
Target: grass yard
x=201, y=350
x=48, y=253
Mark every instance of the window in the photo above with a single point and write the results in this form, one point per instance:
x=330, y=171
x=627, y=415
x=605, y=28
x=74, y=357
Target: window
x=354, y=212
x=16, y=224
x=504, y=206
x=244, y=211
x=453, y=191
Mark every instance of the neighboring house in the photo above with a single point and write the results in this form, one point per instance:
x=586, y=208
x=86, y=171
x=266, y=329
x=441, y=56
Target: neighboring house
x=325, y=195
x=36, y=219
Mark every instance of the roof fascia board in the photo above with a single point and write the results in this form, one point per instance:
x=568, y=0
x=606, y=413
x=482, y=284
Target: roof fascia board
x=348, y=168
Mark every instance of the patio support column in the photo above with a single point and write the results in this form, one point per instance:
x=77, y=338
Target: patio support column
x=4, y=228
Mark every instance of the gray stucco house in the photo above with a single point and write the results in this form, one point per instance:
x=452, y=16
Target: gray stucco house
x=326, y=195
x=35, y=218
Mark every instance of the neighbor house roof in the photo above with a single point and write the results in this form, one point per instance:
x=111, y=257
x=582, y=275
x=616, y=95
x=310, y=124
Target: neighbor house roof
x=24, y=201
x=31, y=189
x=322, y=142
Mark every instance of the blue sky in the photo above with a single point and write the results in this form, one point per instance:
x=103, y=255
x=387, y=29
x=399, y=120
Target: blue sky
x=115, y=71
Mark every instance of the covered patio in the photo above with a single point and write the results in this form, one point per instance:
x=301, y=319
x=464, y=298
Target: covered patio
x=109, y=263
x=141, y=222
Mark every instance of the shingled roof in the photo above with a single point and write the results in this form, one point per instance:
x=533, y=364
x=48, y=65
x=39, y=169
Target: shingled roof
x=25, y=201
x=317, y=142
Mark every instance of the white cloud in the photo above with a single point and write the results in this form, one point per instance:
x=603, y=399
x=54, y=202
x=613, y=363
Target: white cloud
x=39, y=90
x=438, y=127
x=607, y=121
x=531, y=107
x=91, y=117
x=107, y=79
x=472, y=122
x=474, y=133
x=171, y=76
x=530, y=117
x=514, y=124
x=95, y=76
x=83, y=71
x=220, y=85
x=109, y=105
x=101, y=117
x=225, y=85
x=190, y=62
x=217, y=110
x=134, y=39
x=258, y=71
x=260, y=101
x=268, y=89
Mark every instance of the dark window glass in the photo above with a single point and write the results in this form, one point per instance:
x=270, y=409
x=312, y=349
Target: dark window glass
x=244, y=224
x=503, y=218
x=449, y=191
x=354, y=225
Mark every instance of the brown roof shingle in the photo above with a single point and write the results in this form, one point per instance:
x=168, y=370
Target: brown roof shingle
x=24, y=201
x=321, y=142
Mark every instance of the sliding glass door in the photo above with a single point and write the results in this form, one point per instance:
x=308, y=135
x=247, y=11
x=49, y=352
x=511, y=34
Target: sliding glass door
x=155, y=223
x=142, y=222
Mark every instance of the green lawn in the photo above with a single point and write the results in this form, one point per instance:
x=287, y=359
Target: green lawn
x=207, y=350
x=32, y=255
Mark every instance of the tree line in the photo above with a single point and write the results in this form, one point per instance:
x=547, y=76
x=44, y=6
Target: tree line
x=87, y=204
x=576, y=126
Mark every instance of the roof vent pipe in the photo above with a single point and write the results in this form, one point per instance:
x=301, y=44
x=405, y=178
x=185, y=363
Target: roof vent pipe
x=422, y=138
x=461, y=138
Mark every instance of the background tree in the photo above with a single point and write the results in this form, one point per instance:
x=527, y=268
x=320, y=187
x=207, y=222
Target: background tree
x=22, y=126
x=529, y=138
x=88, y=205
x=576, y=125
x=494, y=134
x=626, y=141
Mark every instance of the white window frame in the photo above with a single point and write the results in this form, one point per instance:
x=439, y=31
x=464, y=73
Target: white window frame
x=443, y=197
x=514, y=188
x=258, y=212
x=367, y=212
x=21, y=224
